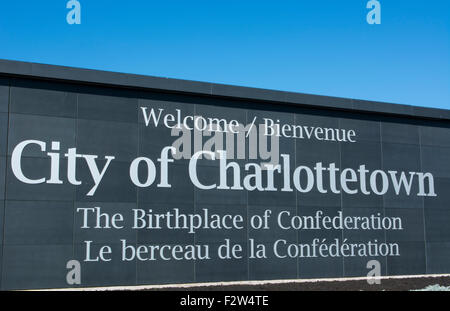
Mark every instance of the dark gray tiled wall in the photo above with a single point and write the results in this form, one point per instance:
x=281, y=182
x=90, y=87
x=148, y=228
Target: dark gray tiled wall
x=42, y=128
x=2, y=177
x=112, y=273
x=438, y=254
x=38, y=223
x=37, y=168
x=311, y=268
x=40, y=227
x=4, y=109
x=109, y=138
x=220, y=270
x=43, y=99
x=114, y=187
x=35, y=266
x=412, y=259
x=4, y=95
x=165, y=272
x=107, y=105
x=2, y=212
x=357, y=266
x=3, y=131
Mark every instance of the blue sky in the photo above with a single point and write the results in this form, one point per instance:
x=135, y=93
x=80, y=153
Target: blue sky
x=321, y=47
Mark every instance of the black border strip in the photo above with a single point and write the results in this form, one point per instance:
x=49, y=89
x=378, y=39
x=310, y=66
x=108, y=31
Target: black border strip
x=10, y=68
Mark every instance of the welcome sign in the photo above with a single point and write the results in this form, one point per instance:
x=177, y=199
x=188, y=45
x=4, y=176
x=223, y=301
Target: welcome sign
x=111, y=179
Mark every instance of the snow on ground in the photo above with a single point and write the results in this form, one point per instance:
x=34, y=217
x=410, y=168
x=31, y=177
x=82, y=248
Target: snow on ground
x=434, y=288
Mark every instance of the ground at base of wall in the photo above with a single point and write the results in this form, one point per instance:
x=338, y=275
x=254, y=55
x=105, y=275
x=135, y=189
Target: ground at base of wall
x=394, y=284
